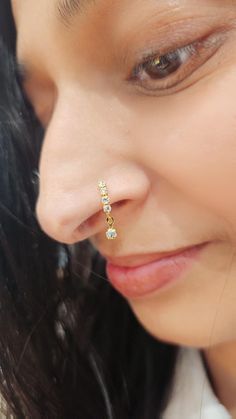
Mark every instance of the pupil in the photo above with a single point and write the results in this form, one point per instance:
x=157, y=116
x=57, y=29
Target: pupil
x=167, y=65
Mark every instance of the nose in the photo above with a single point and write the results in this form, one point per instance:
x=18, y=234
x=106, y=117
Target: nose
x=74, y=158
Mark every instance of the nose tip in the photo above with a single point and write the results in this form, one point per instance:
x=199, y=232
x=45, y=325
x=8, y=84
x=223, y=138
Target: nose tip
x=64, y=222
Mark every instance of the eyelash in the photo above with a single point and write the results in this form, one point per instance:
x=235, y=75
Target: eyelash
x=184, y=54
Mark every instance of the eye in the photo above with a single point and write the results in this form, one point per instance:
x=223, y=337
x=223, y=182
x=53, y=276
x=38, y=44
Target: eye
x=161, y=66
x=159, y=73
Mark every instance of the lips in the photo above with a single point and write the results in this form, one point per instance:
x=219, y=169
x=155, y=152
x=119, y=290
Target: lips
x=140, y=280
x=133, y=261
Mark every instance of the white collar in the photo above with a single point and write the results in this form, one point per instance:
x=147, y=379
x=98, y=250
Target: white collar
x=193, y=396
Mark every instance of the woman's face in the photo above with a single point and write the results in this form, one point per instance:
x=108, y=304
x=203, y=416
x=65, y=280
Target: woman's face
x=161, y=133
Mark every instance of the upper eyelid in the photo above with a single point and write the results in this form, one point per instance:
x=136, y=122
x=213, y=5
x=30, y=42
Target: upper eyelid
x=183, y=33
x=212, y=39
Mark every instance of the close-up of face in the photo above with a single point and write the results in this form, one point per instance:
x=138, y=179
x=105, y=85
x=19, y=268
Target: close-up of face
x=141, y=94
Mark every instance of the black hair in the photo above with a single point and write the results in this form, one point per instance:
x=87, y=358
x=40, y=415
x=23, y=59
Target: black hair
x=70, y=345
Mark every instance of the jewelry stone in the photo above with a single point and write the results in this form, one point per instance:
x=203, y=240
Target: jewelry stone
x=105, y=200
x=104, y=191
x=102, y=184
x=111, y=233
x=107, y=208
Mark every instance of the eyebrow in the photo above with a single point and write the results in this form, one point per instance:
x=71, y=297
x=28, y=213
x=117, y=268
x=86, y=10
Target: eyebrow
x=66, y=10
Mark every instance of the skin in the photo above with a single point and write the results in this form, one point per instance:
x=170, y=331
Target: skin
x=169, y=156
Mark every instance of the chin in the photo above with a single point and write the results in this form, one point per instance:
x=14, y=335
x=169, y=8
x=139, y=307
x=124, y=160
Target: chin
x=182, y=334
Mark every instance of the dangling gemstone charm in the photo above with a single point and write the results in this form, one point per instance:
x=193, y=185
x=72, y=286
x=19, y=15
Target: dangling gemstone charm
x=111, y=232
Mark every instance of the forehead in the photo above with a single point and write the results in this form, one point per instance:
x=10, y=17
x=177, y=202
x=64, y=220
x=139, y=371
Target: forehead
x=65, y=10
x=39, y=18
x=42, y=39
x=40, y=21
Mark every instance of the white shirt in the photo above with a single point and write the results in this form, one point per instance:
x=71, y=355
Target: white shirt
x=193, y=396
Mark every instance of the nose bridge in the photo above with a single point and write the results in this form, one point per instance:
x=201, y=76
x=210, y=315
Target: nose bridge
x=85, y=143
x=88, y=120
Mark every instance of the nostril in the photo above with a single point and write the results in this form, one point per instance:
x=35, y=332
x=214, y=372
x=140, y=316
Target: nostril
x=89, y=222
x=120, y=203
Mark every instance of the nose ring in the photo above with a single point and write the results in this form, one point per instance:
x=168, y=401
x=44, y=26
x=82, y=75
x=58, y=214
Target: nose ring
x=111, y=232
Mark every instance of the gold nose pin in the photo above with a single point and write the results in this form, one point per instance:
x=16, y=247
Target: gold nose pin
x=111, y=232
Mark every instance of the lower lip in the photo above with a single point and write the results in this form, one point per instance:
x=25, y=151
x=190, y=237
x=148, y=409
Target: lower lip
x=145, y=279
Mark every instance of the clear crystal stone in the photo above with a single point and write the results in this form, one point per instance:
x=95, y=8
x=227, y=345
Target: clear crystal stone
x=105, y=200
x=107, y=208
x=101, y=183
x=111, y=233
x=104, y=191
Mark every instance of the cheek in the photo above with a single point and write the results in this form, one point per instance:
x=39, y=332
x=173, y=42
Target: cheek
x=192, y=143
x=199, y=310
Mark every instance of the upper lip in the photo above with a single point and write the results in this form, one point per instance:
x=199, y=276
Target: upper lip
x=141, y=259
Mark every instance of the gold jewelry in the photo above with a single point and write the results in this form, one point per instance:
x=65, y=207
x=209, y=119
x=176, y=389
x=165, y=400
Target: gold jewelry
x=111, y=232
